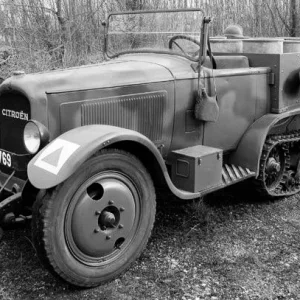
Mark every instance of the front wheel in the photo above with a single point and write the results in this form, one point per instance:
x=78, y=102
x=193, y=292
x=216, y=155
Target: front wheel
x=89, y=229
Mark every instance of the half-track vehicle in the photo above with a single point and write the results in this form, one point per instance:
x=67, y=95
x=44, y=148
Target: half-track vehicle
x=83, y=150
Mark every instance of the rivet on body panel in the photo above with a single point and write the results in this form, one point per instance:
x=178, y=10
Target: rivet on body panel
x=97, y=230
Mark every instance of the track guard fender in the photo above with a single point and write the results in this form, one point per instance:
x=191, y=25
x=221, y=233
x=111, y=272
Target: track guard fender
x=249, y=149
x=64, y=155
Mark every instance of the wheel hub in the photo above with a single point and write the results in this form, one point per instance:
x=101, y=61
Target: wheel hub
x=107, y=219
x=273, y=165
x=102, y=217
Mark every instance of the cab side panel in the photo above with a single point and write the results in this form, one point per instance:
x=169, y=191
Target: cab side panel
x=187, y=130
x=242, y=99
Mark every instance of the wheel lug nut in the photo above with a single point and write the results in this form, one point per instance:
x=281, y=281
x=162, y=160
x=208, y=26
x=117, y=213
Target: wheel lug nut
x=122, y=209
x=110, y=202
x=121, y=226
x=97, y=213
x=108, y=237
x=97, y=230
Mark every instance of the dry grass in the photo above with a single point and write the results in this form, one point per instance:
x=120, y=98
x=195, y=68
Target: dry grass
x=226, y=247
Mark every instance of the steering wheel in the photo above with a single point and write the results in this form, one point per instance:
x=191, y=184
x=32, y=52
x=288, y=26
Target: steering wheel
x=187, y=38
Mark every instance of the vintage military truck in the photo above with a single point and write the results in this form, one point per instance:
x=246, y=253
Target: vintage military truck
x=83, y=150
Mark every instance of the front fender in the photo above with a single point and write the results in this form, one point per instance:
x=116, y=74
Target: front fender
x=65, y=154
x=249, y=150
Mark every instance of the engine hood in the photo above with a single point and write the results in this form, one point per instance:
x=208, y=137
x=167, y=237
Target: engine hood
x=120, y=72
x=180, y=67
x=125, y=71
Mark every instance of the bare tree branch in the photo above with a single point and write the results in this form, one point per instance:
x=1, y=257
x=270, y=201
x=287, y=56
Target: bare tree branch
x=287, y=27
x=273, y=18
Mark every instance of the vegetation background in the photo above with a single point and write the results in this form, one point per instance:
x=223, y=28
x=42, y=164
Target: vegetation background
x=38, y=35
x=228, y=247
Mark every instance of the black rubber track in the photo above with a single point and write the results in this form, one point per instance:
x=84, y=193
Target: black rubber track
x=270, y=143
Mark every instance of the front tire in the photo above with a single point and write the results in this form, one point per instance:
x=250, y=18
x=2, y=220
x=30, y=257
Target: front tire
x=89, y=229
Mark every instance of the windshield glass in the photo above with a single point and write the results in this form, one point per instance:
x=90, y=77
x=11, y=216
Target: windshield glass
x=156, y=31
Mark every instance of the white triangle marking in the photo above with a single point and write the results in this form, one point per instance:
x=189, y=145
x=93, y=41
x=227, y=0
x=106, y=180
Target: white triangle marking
x=68, y=148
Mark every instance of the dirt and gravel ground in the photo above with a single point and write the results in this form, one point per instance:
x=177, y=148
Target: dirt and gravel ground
x=229, y=247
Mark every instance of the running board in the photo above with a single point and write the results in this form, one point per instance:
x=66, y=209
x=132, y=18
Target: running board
x=201, y=169
x=232, y=174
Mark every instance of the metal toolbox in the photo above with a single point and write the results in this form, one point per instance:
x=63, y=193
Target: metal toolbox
x=197, y=168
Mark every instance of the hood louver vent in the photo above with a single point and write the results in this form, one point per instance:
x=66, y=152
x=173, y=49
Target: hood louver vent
x=140, y=112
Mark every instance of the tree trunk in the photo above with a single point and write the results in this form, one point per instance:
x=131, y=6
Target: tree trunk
x=134, y=4
x=294, y=19
x=63, y=27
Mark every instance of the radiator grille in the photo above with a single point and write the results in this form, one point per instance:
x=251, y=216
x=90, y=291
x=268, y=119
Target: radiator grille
x=140, y=112
x=14, y=114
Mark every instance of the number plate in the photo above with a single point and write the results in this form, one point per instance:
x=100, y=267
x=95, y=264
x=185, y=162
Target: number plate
x=5, y=159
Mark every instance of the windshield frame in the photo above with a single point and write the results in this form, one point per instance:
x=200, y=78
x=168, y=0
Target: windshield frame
x=136, y=12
